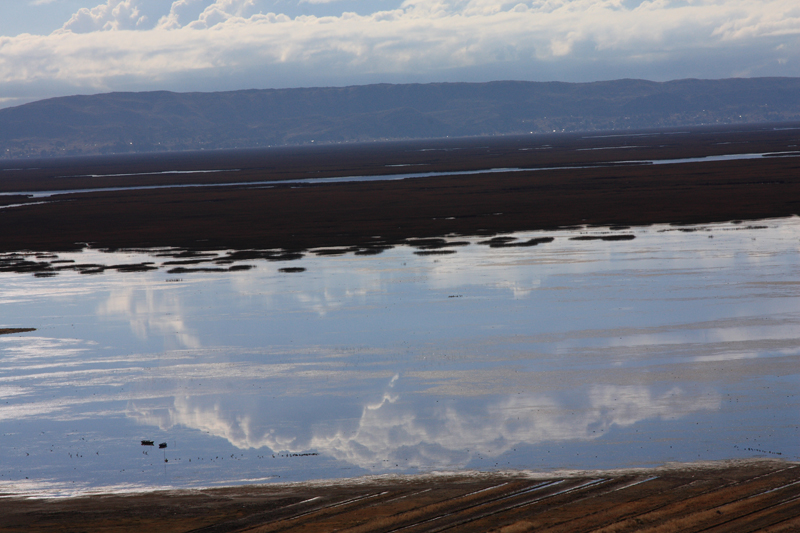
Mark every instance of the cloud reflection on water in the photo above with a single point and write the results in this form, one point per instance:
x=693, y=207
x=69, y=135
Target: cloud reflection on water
x=501, y=355
x=402, y=430
x=152, y=313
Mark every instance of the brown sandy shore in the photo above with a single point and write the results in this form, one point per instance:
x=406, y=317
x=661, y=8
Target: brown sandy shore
x=743, y=496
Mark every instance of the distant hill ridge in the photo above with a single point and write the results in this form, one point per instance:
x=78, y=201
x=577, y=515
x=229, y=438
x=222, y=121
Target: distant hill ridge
x=167, y=121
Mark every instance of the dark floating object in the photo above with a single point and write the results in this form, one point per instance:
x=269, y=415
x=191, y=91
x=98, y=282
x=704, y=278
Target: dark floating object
x=147, y=443
x=604, y=238
x=162, y=445
x=290, y=270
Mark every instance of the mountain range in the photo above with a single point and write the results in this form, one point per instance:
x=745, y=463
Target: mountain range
x=125, y=122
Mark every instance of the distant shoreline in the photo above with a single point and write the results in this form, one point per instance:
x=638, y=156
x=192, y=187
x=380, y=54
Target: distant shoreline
x=170, y=122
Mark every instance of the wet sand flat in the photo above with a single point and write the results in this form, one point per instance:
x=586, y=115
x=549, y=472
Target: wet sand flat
x=735, y=496
x=298, y=217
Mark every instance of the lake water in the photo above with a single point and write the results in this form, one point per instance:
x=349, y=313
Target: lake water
x=680, y=344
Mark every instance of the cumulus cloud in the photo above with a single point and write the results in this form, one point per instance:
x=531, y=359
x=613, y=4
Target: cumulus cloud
x=115, y=45
x=196, y=14
x=113, y=15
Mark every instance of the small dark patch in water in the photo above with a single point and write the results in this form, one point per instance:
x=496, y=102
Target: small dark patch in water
x=186, y=253
x=15, y=263
x=498, y=240
x=136, y=267
x=184, y=270
x=45, y=274
x=334, y=251
x=530, y=242
x=435, y=244
x=9, y=331
x=425, y=242
x=434, y=252
x=240, y=268
x=81, y=266
x=187, y=262
x=286, y=257
x=291, y=270
x=604, y=238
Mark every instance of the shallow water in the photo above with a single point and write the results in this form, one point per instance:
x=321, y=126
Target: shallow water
x=678, y=345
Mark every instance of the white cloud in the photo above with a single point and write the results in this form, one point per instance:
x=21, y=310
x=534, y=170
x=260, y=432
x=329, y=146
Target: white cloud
x=197, y=15
x=235, y=44
x=181, y=13
x=113, y=15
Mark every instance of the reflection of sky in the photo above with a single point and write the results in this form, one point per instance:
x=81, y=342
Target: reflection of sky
x=674, y=346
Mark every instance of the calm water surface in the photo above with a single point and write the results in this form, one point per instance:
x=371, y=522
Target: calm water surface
x=674, y=346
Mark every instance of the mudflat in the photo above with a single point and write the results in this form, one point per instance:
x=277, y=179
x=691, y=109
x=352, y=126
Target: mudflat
x=9, y=331
x=567, y=181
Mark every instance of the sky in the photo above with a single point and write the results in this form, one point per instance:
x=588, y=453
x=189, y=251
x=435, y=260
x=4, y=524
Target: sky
x=62, y=47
